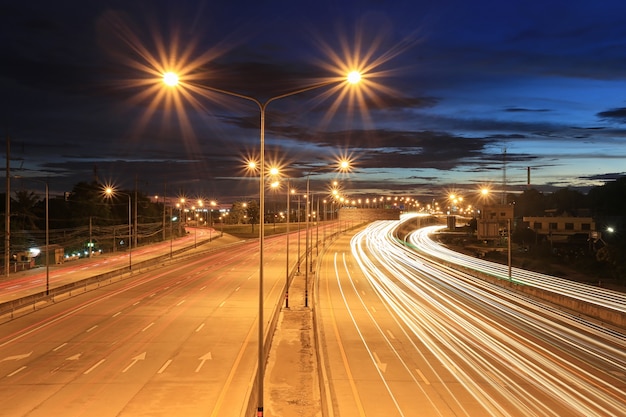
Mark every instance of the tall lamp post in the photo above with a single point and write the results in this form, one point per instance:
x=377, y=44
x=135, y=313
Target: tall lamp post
x=289, y=192
x=110, y=192
x=343, y=166
x=171, y=79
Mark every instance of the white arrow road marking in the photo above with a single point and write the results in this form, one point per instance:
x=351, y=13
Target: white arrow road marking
x=74, y=357
x=381, y=366
x=17, y=357
x=203, y=359
x=134, y=360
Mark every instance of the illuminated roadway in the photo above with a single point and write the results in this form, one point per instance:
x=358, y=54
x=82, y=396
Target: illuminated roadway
x=403, y=336
x=177, y=341
x=22, y=284
x=421, y=241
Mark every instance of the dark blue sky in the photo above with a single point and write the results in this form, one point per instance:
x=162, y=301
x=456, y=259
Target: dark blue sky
x=450, y=88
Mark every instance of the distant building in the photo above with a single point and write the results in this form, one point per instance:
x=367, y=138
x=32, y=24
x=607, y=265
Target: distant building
x=493, y=222
x=561, y=228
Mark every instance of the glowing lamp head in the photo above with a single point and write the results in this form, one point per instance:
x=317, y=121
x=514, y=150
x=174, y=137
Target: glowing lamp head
x=354, y=77
x=170, y=79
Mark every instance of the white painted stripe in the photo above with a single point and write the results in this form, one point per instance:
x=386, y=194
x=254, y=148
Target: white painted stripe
x=164, y=367
x=16, y=371
x=94, y=367
x=59, y=347
x=421, y=375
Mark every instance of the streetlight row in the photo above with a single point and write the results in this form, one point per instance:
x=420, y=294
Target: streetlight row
x=173, y=80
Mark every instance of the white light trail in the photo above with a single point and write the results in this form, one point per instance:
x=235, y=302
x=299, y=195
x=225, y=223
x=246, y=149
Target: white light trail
x=513, y=355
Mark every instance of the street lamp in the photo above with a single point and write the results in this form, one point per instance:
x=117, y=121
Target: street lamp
x=289, y=193
x=343, y=166
x=172, y=80
x=110, y=192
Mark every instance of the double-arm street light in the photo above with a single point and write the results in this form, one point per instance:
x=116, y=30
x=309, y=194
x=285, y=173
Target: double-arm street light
x=343, y=166
x=110, y=192
x=172, y=80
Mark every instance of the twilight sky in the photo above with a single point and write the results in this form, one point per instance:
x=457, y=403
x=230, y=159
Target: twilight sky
x=456, y=94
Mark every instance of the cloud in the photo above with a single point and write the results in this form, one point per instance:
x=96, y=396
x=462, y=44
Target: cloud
x=523, y=110
x=616, y=115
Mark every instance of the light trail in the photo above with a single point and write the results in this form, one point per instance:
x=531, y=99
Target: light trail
x=512, y=355
x=603, y=297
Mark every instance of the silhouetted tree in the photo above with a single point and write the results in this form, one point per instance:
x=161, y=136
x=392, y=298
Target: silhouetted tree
x=530, y=203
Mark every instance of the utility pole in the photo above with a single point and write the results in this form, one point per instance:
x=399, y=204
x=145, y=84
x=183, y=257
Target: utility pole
x=504, y=176
x=135, y=225
x=7, y=216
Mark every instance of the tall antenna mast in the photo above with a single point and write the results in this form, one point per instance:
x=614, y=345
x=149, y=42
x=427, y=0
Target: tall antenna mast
x=503, y=175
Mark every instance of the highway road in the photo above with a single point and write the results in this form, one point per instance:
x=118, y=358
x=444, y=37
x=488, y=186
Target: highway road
x=401, y=335
x=177, y=341
x=23, y=283
x=422, y=242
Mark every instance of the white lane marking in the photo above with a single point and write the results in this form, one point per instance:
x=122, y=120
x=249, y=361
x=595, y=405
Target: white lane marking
x=180, y=303
x=381, y=366
x=117, y=314
x=61, y=346
x=16, y=371
x=199, y=327
x=94, y=367
x=91, y=328
x=421, y=375
x=222, y=303
x=147, y=327
x=164, y=367
x=17, y=357
x=391, y=336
